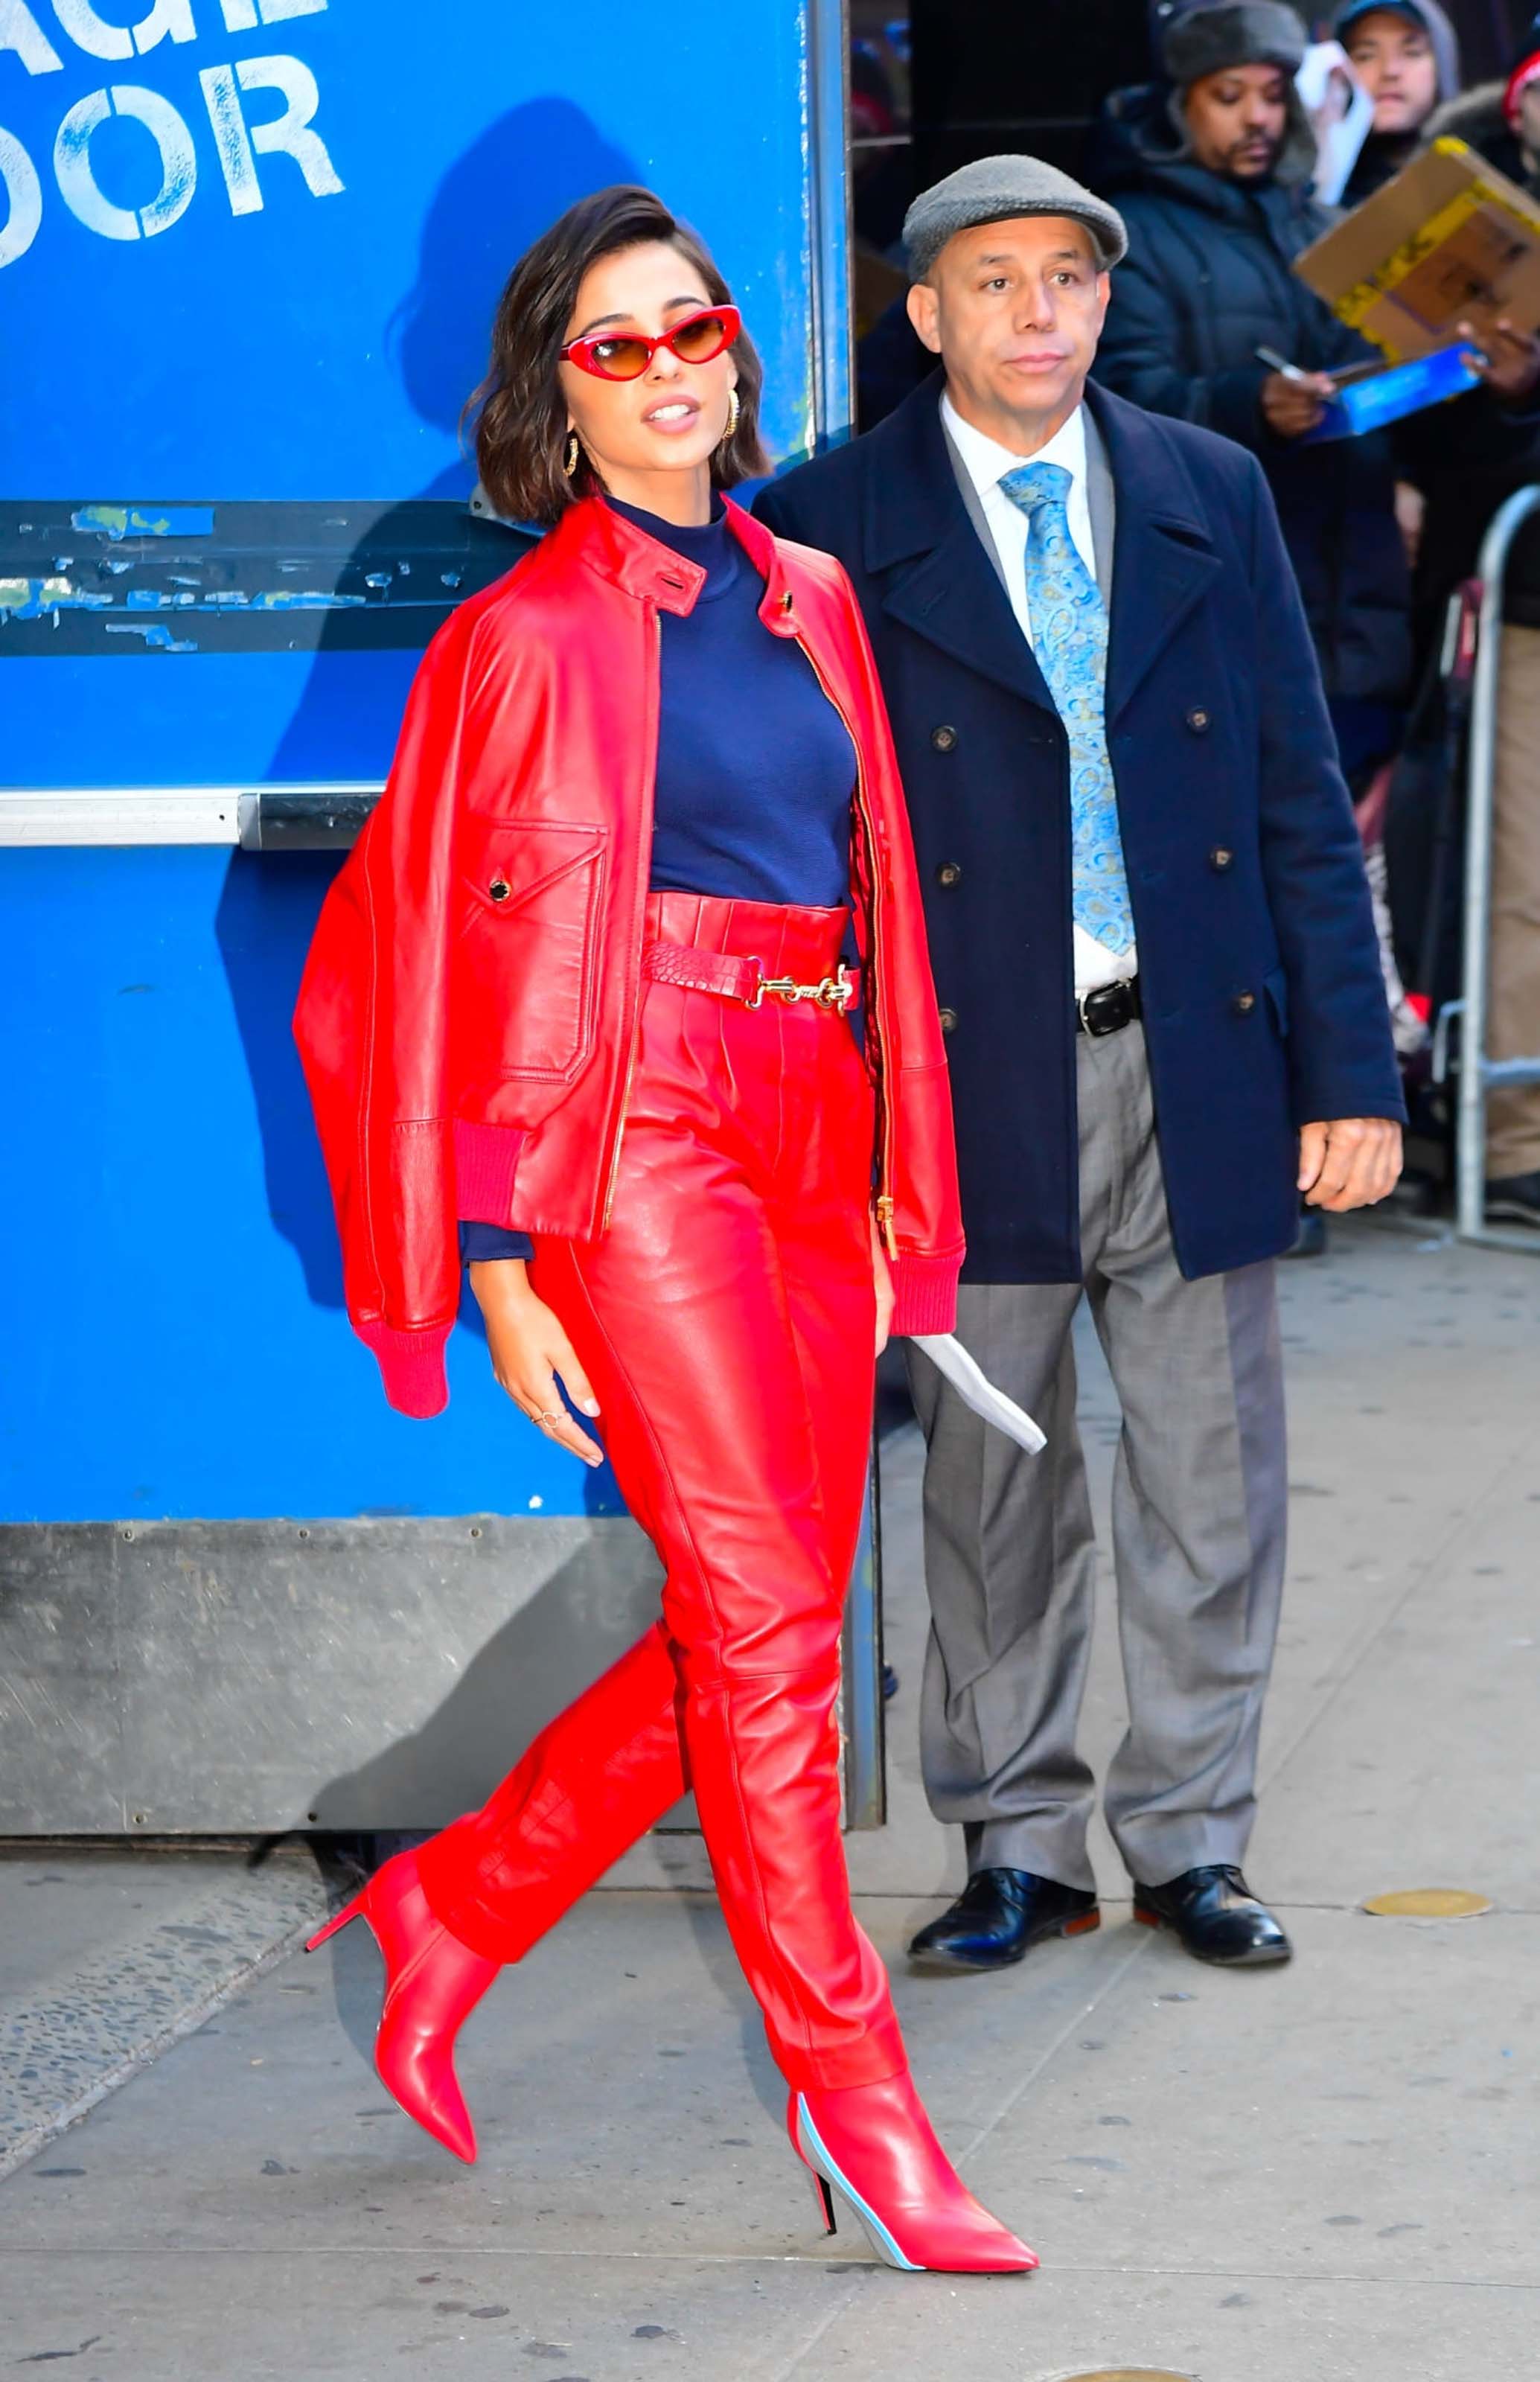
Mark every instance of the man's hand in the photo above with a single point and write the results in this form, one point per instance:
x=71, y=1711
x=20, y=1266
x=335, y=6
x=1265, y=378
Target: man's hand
x=1291, y=407
x=1349, y=1162
x=1512, y=368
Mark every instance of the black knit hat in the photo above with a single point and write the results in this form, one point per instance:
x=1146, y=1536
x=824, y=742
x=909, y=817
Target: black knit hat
x=1235, y=33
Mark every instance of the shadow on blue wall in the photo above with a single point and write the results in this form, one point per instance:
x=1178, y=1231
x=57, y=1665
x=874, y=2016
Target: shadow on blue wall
x=492, y=202
x=525, y=169
x=265, y=917
x=522, y=173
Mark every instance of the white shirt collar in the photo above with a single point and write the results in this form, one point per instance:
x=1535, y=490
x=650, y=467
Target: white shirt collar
x=987, y=461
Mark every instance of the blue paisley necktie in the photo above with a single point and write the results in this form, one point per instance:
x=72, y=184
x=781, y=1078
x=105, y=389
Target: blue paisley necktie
x=1069, y=633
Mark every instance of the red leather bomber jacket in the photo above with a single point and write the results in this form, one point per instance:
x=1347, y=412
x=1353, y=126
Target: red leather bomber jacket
x=470, y=1057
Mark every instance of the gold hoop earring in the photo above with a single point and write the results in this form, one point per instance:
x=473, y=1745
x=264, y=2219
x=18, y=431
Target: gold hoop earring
x=734, y=411
x=569, y=461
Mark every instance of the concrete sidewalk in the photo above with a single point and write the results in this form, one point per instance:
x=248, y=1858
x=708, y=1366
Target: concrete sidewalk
x=1321, y=2171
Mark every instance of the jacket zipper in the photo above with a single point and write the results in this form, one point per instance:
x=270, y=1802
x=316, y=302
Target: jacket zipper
x=643, y=872
x=873, y=860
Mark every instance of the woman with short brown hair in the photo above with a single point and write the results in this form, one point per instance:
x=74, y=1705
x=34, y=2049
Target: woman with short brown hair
x=583, y=985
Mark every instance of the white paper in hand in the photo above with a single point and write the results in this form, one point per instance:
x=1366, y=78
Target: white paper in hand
x=949, y=1357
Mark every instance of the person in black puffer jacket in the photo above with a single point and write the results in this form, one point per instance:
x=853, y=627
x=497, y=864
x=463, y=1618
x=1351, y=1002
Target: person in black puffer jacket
x=1210, y=169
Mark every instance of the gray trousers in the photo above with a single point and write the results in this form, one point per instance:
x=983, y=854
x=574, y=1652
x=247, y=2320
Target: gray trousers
x=1198, y=1516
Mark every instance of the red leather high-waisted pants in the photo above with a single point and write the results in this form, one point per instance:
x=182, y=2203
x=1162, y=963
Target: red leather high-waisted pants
x=726, y=1320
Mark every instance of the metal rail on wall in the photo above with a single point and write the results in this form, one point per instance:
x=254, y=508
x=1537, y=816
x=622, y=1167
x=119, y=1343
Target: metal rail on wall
x=1480, y=1074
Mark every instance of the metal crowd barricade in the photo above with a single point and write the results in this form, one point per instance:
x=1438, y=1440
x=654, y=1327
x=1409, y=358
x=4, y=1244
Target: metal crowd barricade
x=1480, y=1074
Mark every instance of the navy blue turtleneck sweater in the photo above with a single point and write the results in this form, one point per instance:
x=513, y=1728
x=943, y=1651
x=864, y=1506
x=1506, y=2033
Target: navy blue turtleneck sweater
x=755, y=768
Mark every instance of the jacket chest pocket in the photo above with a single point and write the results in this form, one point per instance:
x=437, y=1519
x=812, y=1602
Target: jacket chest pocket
x=529, y=893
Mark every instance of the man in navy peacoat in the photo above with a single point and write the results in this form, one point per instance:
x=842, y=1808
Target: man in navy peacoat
x=1134, y=1127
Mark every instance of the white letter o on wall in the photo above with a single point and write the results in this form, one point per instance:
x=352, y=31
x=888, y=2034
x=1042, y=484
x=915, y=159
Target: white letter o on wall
x=78, y=183
x=23, y=199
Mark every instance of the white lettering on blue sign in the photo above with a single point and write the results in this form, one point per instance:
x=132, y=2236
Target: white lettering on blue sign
x=289, y=135
x=237, y=141
x=78, y=186
x=23, y=199
x=20, y=31
x=99, y=40
x=245, y=16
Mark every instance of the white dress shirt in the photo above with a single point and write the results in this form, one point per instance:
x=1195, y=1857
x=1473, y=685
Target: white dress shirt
x=987, y=463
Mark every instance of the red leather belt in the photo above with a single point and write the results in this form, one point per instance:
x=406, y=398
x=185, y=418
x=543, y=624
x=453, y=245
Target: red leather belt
x=734, y=977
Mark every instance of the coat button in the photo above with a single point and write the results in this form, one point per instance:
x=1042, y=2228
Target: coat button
x=949, y=873
x=1243, y=1003
x=1221, y=858
x=949, y=1020
x=499, y=888
x=944, y=739
x=1198, y=720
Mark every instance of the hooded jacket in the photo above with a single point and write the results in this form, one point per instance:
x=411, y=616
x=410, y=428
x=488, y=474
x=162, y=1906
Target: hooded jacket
x=1477, y=118
x=1384, y=153
x=1206, y=281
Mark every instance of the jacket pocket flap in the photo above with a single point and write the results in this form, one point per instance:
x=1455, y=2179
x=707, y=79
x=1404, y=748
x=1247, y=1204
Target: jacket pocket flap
x=507, y=862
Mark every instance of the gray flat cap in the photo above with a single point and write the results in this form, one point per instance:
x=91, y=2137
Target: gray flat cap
x=992, y=189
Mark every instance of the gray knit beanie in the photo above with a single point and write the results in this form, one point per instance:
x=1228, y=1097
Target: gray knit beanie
x=1205, y=40
x=994, y=190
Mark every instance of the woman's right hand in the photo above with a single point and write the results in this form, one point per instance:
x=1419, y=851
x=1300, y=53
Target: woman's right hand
x=528, y=1349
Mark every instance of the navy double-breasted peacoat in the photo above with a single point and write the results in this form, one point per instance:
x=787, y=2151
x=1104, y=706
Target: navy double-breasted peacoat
x=1264, y=1004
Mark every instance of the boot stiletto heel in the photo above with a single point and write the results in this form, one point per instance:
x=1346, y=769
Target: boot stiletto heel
x=432, y=1982
x=338, y=1920
x=871, y=2147
x=821, y=2192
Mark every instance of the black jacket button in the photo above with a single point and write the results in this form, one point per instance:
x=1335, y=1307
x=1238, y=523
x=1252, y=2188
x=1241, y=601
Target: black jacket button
x=949, y=873
x=1198, y=720
x=949, y=1020
x=1221, y=858
x=499, y=888
x=944, y=739
x=1243, y=1003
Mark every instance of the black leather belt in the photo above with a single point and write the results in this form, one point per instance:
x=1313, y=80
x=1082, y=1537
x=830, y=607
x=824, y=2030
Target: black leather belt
x=1109, y=1008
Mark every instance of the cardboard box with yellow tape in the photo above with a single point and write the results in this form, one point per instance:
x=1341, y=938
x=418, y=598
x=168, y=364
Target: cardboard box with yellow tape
x=1451, y=241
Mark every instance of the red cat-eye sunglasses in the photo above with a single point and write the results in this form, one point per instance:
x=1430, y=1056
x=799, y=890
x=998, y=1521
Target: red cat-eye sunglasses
x=626, y=355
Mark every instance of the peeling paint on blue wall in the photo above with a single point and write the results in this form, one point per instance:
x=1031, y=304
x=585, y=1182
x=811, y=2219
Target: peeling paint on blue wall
x=157, y=638
x=144, y=521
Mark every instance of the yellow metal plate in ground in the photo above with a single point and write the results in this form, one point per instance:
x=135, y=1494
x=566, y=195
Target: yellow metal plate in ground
x=1429, y=1902
x=1129, y=2374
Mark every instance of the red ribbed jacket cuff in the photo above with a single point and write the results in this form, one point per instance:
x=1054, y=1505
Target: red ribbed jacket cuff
x=925, y=1295
x=412, y=1366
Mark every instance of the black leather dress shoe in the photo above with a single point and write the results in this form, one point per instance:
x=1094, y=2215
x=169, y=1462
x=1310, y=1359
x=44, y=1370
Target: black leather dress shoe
x=997, y=1918
x=1513, y=1199
x=1217, y=1915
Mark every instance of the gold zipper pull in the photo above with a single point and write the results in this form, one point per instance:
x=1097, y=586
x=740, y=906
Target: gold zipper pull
x=885, y=1225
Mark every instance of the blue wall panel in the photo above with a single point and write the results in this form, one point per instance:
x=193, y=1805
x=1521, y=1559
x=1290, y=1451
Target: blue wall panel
x=177, y=1341
x=176, y=1344
x=317, y=347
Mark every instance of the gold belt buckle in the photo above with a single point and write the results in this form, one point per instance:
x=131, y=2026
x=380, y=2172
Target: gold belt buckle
x=836, y=991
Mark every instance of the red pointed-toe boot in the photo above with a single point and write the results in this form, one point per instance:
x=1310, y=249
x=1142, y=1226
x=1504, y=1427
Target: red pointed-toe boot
x=872, y=2147
x=433, y=1983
